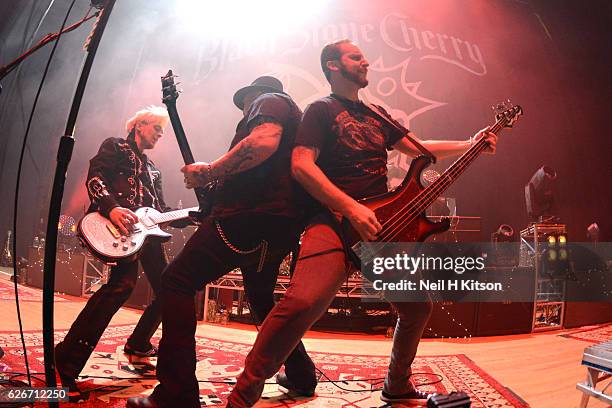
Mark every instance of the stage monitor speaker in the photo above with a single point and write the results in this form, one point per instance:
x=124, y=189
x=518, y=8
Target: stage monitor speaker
x=68, y=271
x=451, y=319
x=495, y=319
x=586, y=313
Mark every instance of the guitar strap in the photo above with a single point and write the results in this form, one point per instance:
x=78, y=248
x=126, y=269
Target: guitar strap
x=330, y=218
x=152, y=184
x=147, y=177
x=377, y=111
x=147, y=174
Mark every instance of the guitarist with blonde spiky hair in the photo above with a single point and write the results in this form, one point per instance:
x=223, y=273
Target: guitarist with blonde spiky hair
x=121, y=179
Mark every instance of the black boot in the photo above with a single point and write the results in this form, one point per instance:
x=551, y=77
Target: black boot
x=69, y=361
x=300, y=390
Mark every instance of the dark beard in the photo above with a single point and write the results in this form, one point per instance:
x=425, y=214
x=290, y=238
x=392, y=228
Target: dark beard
x=353, y=77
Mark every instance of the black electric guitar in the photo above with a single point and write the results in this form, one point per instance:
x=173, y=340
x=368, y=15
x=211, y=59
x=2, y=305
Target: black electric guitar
x=169, y=96
x=401, y=211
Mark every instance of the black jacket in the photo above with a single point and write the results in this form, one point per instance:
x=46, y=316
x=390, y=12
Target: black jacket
x=119, y=175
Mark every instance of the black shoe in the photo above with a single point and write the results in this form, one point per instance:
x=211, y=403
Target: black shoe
x=283, y=381
x=152, y=352
x=74, y=393
x=413, y=397
x=142, y=402
x=68, y=381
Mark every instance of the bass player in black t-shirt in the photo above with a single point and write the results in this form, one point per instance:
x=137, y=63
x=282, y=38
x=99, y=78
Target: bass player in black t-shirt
x=254, y=224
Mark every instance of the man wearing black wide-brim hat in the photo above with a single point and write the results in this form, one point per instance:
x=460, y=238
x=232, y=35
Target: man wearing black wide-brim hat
x=253, y=225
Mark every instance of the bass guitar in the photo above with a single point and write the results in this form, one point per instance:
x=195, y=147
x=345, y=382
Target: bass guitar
x=108, y=244
x=401, y=211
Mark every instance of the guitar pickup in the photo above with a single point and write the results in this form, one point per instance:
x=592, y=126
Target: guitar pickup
x=114, y=232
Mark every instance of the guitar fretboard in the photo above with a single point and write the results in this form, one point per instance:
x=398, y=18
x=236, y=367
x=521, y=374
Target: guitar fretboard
x=451, y=174
x=172, y=215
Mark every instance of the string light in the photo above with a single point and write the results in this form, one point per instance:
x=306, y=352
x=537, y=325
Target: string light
x=468, y=335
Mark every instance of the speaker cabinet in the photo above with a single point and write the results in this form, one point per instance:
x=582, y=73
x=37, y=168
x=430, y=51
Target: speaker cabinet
x=142, y=295
x=585, y=313
x=68, y=271
x=496, y=319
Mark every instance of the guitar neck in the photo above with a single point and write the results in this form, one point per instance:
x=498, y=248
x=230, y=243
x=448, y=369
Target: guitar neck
x=170, y=94
x=179, y=132
x=172, y=215
x=181, y=138
x=431, y=193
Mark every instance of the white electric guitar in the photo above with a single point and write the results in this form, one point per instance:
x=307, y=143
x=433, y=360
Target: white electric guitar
x=107, y=243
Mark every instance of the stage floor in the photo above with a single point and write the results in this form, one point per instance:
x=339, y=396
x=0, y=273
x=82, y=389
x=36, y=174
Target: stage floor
x=541, y=369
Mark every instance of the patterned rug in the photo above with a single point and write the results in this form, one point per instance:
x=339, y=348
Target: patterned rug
x=592, y=334
x=112, y=378
x=26, y=293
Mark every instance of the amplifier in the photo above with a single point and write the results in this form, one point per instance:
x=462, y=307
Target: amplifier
x=586, y=313
x=68, y=271
x=142, y=295
x=496, y=319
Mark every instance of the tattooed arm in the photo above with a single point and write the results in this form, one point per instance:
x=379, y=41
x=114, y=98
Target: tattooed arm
x=253, y=150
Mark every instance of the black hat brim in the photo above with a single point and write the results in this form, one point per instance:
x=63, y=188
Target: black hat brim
x=241, y=93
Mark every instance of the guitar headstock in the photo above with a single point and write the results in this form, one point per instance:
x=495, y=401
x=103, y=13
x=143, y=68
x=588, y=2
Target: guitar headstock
x=506, y=113
x=169, y=92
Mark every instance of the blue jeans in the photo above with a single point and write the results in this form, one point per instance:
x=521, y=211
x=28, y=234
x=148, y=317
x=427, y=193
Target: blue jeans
x=319, y=273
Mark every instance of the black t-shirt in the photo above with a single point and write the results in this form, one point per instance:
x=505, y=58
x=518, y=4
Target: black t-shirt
x=353, y=143
x=267, y=188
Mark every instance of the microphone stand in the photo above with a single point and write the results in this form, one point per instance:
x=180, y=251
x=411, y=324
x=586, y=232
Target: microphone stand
x=63, y=159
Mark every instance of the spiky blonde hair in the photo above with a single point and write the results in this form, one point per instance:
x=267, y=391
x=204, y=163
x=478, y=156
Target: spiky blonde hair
x=148, y=114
